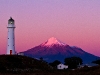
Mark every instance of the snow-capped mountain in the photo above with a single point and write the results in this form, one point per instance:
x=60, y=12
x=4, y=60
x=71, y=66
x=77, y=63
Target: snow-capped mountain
x=54, y=49
x=52, y=41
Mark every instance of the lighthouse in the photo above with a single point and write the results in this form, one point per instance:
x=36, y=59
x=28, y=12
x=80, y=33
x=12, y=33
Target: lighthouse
x=11, y=37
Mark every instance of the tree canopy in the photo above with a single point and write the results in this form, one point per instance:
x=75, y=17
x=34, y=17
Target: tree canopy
x=73, y=62
x=96, y=62
x=55, y=63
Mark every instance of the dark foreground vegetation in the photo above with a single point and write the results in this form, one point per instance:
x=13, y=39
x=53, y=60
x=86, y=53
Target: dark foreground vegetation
x=22, y=65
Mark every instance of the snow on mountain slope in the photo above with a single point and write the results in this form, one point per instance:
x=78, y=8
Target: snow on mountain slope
x=52, y=41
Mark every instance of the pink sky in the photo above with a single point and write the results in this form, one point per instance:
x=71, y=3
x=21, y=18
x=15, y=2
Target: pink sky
x=74, y=22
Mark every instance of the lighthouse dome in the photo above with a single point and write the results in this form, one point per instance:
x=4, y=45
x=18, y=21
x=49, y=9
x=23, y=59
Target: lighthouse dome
x=11, y=21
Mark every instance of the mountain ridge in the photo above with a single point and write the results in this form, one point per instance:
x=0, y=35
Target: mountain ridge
x=52, y=50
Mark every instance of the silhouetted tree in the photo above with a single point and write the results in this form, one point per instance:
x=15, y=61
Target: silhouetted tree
x=41, y=59
x=73, y=62
x=55, y=63
x=96, y=62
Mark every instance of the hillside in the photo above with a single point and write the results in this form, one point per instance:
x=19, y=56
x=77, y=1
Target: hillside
x=16, y=63
x=22, y=65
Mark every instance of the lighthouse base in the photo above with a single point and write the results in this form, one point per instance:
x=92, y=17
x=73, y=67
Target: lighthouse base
x=10, y=52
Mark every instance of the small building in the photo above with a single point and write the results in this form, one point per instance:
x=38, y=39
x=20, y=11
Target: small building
x=88, y=65
x=62, y=66
x=21, y=53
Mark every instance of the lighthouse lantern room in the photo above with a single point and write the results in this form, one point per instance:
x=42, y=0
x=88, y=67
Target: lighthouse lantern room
x=11, y=37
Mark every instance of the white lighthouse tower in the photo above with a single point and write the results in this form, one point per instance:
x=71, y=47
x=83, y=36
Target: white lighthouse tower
x=11, y=37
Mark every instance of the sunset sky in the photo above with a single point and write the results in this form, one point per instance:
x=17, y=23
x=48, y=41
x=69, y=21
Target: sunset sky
x=74, y=22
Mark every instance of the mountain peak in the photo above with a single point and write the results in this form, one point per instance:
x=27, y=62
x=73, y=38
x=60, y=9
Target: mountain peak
x=52, y=41
x=53, y=49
